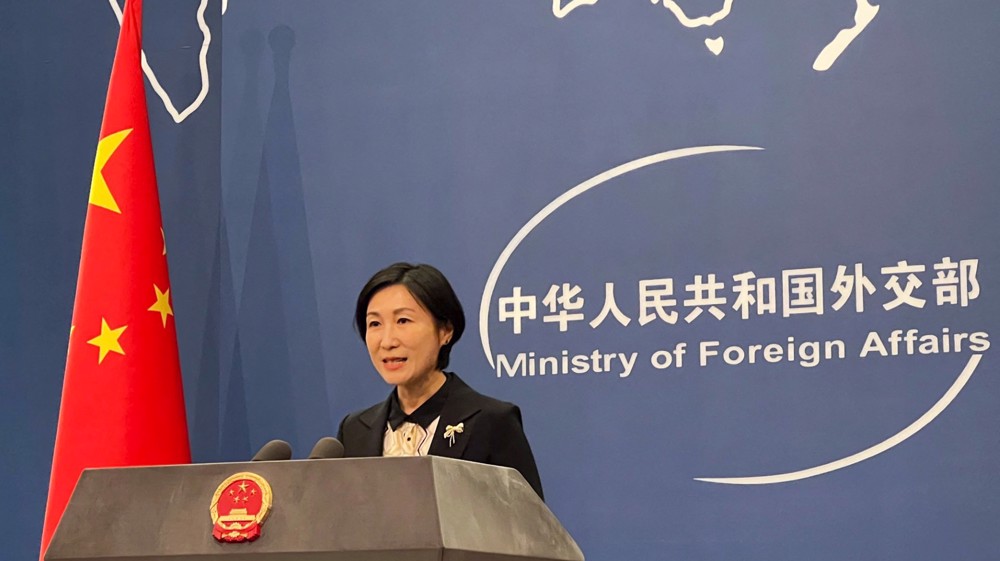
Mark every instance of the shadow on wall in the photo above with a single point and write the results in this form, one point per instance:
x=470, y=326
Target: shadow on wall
x=265, y=338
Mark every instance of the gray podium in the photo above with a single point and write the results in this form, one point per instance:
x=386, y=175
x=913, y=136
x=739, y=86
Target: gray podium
x=358, y=509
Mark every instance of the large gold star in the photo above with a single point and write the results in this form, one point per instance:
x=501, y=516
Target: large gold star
x=100, y=195
x=107, y=341
x=162, y=304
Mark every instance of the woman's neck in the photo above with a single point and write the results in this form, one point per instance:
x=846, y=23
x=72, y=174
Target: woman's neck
x=414, y=395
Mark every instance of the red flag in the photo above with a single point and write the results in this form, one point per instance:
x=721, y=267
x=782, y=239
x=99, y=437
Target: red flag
x=122, y=401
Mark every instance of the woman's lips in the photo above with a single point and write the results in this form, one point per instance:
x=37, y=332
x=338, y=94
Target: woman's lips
x=393, y=363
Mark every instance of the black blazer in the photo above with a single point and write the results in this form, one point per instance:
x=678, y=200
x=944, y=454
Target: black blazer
x=492, y=433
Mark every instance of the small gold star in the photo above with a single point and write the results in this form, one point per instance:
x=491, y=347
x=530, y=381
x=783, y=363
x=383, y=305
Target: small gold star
x=107, y=341
x=162, y=304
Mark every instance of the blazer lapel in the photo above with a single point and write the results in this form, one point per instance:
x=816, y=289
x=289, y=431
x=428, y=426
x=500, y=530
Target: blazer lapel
x=458, y=410
x=374, y=420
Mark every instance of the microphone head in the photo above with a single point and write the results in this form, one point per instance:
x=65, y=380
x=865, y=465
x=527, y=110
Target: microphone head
x=272, y=451
x=327, y=447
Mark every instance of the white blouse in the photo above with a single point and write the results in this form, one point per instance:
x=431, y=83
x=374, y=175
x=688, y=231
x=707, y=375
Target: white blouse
x=410, y=439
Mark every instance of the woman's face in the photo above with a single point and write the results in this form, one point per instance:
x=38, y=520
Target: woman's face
x=402, y=337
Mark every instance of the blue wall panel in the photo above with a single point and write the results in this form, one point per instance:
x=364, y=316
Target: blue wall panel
x=529, y=148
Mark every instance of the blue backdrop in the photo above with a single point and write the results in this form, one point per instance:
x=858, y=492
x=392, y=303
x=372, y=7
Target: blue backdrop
x=734, y=260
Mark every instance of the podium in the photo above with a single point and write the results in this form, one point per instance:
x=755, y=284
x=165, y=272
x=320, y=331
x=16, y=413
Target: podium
x=358, y=509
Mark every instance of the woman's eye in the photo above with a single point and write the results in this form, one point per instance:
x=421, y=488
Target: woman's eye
x=403, y=320
x=372, y=324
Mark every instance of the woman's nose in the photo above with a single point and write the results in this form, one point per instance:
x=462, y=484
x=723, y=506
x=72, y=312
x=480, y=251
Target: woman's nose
x=389, y=339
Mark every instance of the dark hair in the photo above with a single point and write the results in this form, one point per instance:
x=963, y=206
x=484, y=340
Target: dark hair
x=429, y=286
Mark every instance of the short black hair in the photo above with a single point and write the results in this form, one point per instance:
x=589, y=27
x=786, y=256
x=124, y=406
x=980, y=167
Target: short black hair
x=430, y=287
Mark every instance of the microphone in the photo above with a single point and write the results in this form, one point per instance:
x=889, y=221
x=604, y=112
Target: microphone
x=273, y=450
x=327, y=447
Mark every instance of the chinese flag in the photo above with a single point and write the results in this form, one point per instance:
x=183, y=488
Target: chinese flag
x=122, y=401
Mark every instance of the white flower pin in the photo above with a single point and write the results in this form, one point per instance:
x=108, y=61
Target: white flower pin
x=451, y=430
